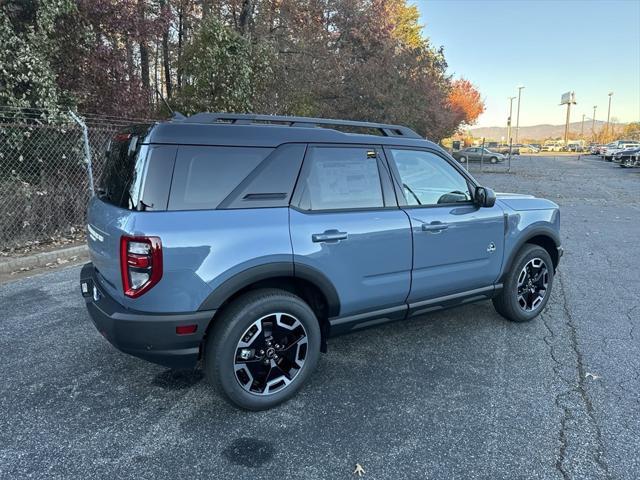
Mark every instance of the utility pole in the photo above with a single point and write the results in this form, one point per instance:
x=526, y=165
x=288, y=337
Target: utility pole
x=568, y=98
x=518, y=114
x=582, y=128
x=593, y=124
x=509, y=119
x=608, y=114
x=566, y=125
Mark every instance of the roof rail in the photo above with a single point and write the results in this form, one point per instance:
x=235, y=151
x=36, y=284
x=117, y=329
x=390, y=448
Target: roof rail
x=249, y=118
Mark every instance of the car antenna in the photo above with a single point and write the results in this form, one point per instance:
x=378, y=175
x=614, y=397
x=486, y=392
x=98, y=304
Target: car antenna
x=174, y=115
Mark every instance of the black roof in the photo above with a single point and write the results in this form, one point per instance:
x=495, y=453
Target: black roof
x=226, y=129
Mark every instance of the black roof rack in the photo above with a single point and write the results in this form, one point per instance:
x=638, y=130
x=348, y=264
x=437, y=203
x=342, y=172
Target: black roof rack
x=247, y=119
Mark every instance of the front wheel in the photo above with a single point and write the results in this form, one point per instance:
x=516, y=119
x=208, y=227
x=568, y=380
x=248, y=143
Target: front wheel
x=527, y=286
x=462, y=159
x=493, y=160
x=262, y=348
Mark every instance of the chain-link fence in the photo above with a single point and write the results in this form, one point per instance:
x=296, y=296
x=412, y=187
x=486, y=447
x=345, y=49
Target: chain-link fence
x=44, y=186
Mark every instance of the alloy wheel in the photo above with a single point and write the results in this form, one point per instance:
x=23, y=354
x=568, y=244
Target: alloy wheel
x=533, y=282
x=270, y=354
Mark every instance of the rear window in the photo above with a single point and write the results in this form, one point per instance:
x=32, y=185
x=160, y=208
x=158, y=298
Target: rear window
x=119, y=183
x=136, y=176
x=204, y=176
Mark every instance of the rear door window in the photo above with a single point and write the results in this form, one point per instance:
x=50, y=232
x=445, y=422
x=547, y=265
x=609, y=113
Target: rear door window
x=340, y=178
x=204, y=176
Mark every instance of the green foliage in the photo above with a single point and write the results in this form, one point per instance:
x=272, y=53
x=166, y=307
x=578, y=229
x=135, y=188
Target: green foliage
x=223, y=71
x=26, y=77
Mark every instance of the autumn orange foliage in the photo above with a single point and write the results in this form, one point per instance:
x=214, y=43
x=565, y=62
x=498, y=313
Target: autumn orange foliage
x=465, y=101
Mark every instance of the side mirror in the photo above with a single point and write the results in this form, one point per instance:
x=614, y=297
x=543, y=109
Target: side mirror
x=485, y=197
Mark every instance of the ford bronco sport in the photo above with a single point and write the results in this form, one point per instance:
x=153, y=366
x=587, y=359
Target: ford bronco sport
x=244, y=242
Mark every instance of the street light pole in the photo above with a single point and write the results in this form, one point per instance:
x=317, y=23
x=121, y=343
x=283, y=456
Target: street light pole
x=509, y=119
x=582, y=128
x=518, y=114
x=593, y=124
x=608, y=114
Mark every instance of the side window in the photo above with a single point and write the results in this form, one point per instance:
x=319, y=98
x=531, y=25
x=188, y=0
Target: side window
x=340, y=178
x=428, y=179
x=204, y=176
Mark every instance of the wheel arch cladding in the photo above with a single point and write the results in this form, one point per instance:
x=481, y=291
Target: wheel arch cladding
x=549, y=245
x=306, y=282
x=545, y=237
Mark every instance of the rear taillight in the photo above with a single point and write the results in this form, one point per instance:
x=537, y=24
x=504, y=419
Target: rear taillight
x=140, y=264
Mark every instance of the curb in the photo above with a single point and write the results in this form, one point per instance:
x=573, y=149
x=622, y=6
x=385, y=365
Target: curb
x=61, y=257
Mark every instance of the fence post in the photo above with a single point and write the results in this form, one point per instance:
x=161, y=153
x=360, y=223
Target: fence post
x=87, y=148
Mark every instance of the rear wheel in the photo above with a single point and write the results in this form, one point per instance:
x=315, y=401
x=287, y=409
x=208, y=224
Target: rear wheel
x=493, y=160
x=462, y=159
x=527, y=286
x=263, y=348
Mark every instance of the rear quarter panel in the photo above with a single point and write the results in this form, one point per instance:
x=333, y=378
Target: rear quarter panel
x=203, y=248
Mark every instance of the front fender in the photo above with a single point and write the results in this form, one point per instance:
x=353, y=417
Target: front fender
x=523, y=227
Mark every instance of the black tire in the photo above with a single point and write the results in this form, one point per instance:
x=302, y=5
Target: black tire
x=233, y=324
x=507, y=302
x=493, y=160
x=462, y=159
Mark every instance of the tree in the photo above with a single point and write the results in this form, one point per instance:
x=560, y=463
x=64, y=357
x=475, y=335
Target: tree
x=465, y=101
x=223, y=71
x=27, y=79
x=631, y=131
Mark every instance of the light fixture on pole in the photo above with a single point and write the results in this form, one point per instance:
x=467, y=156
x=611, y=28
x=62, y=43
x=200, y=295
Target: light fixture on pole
x=518, y=114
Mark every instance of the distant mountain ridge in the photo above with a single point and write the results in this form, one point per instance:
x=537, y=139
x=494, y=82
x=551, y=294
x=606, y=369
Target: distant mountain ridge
x=539, y=132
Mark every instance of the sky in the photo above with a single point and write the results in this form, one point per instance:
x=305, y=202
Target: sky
x=549, y=46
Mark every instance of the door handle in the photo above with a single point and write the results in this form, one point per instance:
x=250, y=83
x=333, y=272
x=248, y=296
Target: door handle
x=434, y=227
x=329, y=236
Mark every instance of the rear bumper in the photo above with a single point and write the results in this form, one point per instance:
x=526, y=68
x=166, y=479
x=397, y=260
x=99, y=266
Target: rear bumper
x=150, y=336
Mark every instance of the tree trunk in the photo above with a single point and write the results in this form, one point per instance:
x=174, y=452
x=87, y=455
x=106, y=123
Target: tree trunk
x=144, y=53
x=130, y=65
x=246, y=14
x=144, y=67
x=206, y=8
x=167, y=65
x=165, y=55
x=180, y=35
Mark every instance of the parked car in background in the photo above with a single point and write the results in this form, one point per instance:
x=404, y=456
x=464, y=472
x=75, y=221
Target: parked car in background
x=504, y=149
x=628, y=157
x=594, y=149
x=537, y=145
x=618, y=146
x=575, y=145
x=474, y=154
x=523, y=148
x=243, y=242
x=552, y=146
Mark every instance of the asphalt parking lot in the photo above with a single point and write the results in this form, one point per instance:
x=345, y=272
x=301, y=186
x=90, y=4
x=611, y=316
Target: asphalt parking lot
x=456, y=394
